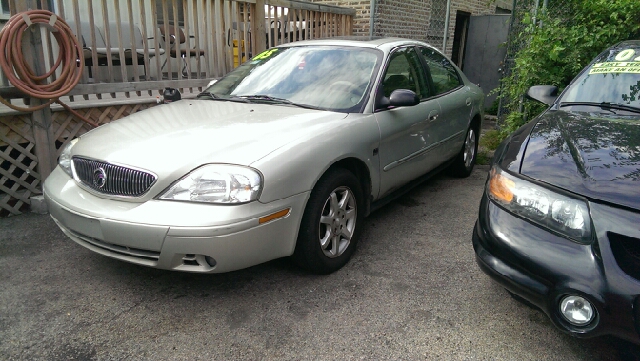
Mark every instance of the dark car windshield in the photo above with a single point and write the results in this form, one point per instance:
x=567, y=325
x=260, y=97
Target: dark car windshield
x=613, y=78
x=334, y=78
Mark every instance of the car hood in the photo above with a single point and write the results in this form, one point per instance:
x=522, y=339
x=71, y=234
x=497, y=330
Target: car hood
x=594, y=155
x=175, y=138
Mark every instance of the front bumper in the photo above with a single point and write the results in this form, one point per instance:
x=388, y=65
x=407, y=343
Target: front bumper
x=172, y=235
x=542, y=268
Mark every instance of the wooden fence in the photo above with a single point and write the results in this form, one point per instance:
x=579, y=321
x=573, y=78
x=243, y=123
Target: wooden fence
x=132, y=50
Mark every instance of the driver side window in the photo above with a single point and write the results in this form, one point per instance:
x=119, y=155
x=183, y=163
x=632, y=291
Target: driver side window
x=405, y=71
x=444, y=75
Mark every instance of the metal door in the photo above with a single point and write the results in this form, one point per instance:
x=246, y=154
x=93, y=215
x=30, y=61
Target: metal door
x=485, y=52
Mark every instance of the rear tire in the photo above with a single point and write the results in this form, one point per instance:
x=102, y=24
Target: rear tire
x=463, y=164
x=331, y=223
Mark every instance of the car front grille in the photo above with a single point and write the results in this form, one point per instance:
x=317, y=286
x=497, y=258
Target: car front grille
x=626, y=251
x=636, y=314
x=112, y=179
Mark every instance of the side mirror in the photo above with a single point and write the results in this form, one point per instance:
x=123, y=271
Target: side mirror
x=545, y=94
x=402, y=98
x=170, y=95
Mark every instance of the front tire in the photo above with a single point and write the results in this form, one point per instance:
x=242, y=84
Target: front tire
x=331, y=223
x=462, y=166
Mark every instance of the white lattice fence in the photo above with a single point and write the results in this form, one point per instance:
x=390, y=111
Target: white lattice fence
x=19, y=177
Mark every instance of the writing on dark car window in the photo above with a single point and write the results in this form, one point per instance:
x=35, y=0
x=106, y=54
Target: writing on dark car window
x=624, y=63
x=614, y=78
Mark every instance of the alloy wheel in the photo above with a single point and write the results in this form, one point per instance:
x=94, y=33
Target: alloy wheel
x=469, y=148
x=338, y=222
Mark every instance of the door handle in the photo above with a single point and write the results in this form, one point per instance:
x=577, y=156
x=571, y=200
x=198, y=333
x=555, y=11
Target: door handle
x=433, y=115
x=468, y=101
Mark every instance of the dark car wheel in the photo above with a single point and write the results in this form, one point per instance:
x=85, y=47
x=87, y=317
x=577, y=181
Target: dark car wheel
x=462, y=166
x=330, y=224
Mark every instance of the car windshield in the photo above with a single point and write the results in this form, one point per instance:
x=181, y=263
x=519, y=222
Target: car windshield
x=324, y=77
x=613, y=78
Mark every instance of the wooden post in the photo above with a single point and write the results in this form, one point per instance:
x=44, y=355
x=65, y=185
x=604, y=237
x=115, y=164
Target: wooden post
x=41, y=123
x=258, y=28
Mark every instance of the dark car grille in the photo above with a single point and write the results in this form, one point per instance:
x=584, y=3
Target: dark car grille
x=626, y=251
x=636, y=313
x=112, y=179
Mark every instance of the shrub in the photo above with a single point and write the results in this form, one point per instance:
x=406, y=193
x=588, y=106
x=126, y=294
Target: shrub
x=564, y=44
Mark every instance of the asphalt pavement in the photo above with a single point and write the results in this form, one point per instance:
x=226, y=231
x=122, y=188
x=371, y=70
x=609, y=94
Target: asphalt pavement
x=412, y=291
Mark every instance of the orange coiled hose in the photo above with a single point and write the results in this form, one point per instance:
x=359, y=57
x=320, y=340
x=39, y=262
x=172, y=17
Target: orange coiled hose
x=20, y=74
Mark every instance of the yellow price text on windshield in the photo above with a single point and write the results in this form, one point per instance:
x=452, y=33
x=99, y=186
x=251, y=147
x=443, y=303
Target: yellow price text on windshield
x=632, y=67
x=626, y=55
x=265, y=54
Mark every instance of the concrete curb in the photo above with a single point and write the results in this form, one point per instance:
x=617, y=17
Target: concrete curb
x=38, y=204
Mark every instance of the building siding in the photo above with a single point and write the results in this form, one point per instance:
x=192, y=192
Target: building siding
x=415, y=19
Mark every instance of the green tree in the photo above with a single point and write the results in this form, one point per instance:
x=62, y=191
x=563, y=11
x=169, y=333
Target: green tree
x=560, y=44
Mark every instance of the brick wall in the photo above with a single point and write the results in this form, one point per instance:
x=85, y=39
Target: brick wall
x=363, y=13
x=415, y=19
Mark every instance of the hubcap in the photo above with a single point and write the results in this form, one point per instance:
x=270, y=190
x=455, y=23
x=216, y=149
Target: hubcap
x=337, y=222
x=469, y=148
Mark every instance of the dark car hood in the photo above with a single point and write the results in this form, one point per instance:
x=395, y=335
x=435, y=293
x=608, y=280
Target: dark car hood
x=594, y=155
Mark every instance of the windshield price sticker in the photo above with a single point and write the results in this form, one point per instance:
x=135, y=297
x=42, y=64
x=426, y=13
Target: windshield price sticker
x=626, y=55
x=624, y=63
x=265, y=54
x=616, y=67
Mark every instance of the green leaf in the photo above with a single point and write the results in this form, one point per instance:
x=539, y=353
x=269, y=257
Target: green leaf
x=574, y=32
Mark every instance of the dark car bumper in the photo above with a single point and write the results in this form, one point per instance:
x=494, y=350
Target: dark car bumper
x=542, y=267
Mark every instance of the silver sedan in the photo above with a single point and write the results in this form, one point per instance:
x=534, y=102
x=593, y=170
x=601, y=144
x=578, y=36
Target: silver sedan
x=284, y=156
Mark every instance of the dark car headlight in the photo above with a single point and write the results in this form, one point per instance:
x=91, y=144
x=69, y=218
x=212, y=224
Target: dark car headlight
x=563, y=214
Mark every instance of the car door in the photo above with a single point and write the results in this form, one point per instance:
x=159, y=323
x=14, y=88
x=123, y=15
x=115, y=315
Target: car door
x=406, y=140
x=455, y=103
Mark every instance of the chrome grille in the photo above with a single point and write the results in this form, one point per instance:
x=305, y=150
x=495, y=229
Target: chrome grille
x=112, y=179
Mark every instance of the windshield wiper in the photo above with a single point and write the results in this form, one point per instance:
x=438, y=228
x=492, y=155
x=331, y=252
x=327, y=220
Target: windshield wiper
x=604, y=105
x=267, y=98
x=275, y=100
x=212, y=96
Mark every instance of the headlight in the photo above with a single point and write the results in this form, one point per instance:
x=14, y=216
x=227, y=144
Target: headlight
x=563, y=214
x=217, y=183
x=65, y=157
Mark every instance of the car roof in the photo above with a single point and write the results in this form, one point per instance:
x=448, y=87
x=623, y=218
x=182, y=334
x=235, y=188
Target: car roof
x=627, y=44
x=382, y=43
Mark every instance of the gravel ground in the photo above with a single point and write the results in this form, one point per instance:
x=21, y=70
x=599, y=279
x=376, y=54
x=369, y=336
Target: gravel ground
x=412, y=292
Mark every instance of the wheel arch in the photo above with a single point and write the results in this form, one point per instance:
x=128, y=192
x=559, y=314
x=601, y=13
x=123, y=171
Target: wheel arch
x=314, y=234
x=476, y=123
x=362, y=172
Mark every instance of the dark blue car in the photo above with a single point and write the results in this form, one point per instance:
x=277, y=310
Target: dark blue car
x=559, y=221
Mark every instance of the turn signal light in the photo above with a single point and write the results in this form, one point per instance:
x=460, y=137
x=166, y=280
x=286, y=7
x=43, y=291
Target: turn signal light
x=501, y=187
x=281, y=214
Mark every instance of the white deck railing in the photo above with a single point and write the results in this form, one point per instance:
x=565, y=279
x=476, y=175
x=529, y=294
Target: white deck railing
x=137, y=47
